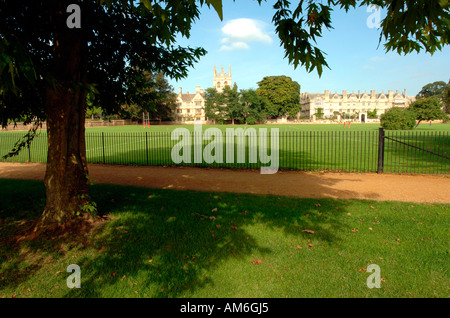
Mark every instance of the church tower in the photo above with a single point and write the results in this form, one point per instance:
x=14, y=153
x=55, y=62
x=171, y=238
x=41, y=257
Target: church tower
x=222, y=79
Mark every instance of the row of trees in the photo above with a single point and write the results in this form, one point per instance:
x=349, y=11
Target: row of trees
x=155, y=97
x=275, y=96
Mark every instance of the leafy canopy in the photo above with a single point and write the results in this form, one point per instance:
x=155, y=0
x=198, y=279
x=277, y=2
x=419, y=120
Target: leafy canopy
x=396, y=118
x=282, y=94
x=427, y=108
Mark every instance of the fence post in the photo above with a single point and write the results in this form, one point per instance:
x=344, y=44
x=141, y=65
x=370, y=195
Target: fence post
x=380, y=150
x=103, y=146
x=146, y=145
x=29, y=150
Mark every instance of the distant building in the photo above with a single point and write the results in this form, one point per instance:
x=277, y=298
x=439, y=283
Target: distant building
x=191, y=107
x=348, y=105
x=222, y=79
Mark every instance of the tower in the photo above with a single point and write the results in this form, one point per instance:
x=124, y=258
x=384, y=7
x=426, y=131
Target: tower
x=222, y=79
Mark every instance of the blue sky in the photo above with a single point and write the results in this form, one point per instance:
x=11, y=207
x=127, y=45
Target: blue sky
x=247, y=41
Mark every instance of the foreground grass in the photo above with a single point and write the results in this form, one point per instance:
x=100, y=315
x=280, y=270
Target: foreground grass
x=166, y=243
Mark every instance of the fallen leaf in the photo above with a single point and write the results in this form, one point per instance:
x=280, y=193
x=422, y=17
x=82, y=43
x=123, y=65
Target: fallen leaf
x=214, y=210
x=234, y=227
x=354, y=230
x=310, y=246
x=258, y=261
x=317, y=204
x=58, y=272
x=308, y=231
x=299, y=247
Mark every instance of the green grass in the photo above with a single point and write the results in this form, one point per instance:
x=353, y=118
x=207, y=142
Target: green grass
x=281, y=127
x=301, y=147
x=167, y=243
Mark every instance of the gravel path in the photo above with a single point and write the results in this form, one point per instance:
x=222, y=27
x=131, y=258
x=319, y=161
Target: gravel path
x=383, y=187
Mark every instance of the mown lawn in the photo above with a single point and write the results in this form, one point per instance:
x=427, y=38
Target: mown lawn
x=174, y=244
x=299, y=147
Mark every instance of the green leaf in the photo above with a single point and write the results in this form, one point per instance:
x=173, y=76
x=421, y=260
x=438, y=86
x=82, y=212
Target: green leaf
x=147, y=4
x=217, y=5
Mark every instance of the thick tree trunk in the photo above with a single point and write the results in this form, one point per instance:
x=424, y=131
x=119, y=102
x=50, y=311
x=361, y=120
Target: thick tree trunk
x=66, y=178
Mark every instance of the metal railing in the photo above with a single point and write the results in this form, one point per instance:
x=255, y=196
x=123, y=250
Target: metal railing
x=412, y=152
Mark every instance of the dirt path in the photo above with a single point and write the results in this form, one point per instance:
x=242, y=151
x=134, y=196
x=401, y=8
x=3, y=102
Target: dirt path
x=422, y=188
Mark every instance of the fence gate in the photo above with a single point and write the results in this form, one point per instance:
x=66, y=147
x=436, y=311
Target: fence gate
x=418, y=152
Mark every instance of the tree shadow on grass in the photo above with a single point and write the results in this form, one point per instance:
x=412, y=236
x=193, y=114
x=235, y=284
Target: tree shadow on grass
x=161, y=243
x=168, y=241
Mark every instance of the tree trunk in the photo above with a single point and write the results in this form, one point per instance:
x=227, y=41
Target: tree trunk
x=66, y=177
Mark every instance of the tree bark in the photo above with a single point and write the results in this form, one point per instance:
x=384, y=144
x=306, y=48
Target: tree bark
x=66, y=177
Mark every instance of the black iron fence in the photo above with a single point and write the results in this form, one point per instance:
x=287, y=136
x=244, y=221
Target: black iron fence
x=412, y=152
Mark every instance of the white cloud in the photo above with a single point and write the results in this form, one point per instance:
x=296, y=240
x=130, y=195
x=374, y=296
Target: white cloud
x=237, y=33
x=235, y=46
x=377, y=59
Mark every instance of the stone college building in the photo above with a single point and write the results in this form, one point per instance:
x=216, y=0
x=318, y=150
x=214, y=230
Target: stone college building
x=356, y=105
x=327, y=105
x=190, y=107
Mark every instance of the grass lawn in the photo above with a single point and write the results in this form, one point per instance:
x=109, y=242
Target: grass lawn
x=167, y=243
x=301, y=147
x=283, y=127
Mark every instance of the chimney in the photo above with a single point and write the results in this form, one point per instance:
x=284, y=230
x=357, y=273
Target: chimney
x=372, y=94
x=391, y=93
x=197, y=89
x=405, y=93
x=344, y=93
x=181, y=90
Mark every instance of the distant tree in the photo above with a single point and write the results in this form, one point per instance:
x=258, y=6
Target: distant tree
x=233, y=107
x=154, y=95
x=282, y=94
x=397, y=118
x=215, y=107
x=319, y=113
x=427, y=108
x=253, y=107
x=446, y=98
x=432, y=89
x=372, y=114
